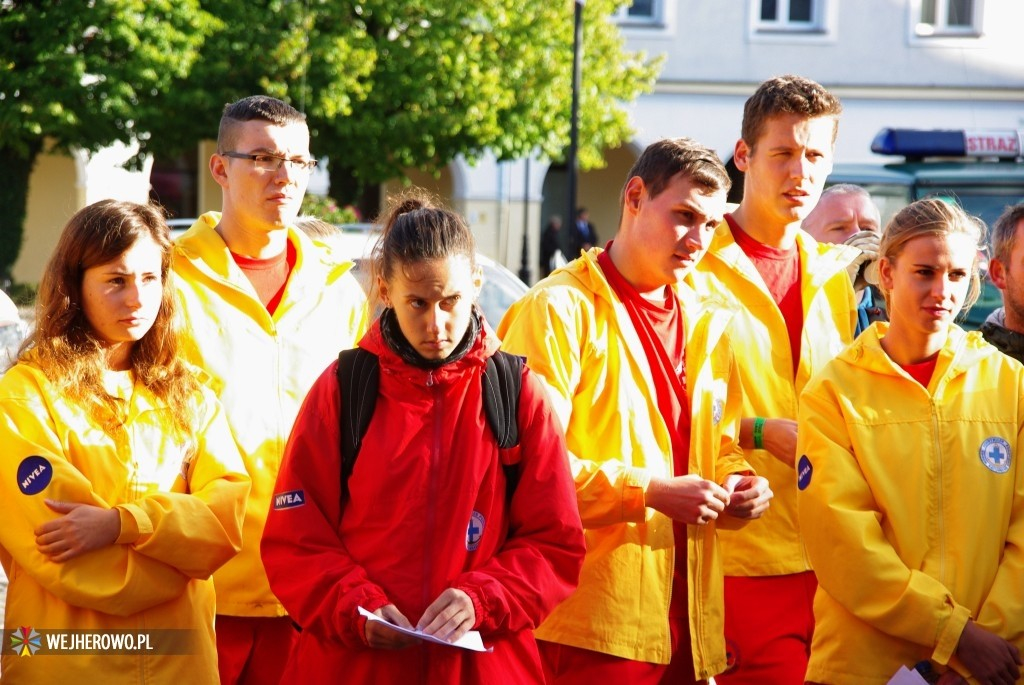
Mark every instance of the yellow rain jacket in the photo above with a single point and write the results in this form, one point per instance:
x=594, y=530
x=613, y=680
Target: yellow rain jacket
x=578, y=337
x=181, y=506
x=771, y=545
x=912, y=505
x=262, y=366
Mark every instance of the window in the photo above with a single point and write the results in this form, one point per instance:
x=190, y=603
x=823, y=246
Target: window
x=949, y=18
x=640, y=13
x=789, y=15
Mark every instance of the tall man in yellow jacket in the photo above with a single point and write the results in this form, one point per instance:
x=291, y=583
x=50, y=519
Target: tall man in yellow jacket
x=644, y=383
x=795, y=310
x=266, y=310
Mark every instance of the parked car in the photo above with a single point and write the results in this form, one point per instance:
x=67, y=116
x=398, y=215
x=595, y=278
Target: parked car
x=13, y=330
x=501, y=288
x=178, y=226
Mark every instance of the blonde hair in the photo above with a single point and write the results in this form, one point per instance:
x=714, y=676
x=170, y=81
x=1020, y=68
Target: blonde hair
x=933, y=217
x=64, y=344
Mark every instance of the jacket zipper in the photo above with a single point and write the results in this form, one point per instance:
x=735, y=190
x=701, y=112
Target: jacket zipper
x=941, y=513
x=435, y=453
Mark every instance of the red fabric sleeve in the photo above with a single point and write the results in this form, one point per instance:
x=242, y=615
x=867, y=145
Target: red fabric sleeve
x=309, y=569
x=539, y=564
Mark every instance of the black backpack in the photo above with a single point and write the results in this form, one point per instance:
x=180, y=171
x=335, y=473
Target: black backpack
x=359, y=381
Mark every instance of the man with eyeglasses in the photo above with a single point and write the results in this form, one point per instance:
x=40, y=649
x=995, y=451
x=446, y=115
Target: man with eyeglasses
x=265, y=311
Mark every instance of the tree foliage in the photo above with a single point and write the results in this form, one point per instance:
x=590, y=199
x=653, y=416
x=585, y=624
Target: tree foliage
x=387, y=85
x=81, y=75
x=391, y=85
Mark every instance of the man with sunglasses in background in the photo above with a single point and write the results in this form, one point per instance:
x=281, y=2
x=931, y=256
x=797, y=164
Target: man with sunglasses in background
x=265, y=311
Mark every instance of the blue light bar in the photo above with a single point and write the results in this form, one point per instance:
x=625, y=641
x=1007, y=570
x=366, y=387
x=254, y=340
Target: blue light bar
x=909, y=142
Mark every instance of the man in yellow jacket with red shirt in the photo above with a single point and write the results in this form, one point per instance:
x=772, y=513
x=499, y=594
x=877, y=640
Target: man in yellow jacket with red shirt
x=265, y=310
x=642, y=378
x=794, y=311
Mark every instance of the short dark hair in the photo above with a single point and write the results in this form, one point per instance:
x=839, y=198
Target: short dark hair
x=787, y=95
x=659, y=163
x=1004, y=232
x=254, y=108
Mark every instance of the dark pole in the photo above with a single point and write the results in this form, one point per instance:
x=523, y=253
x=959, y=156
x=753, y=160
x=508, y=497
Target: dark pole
x=574, y=132
x=524, y=259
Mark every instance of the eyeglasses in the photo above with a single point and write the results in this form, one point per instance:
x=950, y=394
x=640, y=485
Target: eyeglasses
x=264, y=161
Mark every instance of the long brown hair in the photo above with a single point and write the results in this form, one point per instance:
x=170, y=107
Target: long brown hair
x=63, y=343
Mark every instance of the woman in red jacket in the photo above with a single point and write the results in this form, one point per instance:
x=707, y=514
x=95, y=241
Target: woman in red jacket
x=423, y=532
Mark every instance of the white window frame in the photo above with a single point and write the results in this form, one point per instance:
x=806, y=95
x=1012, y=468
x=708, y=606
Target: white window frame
x=821, y=31
x=657, y=18
x=784, y=25
x=941, y=29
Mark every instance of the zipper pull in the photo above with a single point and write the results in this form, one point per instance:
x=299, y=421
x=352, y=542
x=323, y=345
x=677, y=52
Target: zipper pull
x=430, y=378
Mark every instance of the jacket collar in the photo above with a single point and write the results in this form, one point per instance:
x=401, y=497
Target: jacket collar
x=204, y=247
x=819, y=262
x=485, y=345
x=961, y=351
x=703, y=314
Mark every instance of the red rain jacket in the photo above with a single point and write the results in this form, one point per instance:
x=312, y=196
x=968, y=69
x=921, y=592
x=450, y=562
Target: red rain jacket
x=427, y=510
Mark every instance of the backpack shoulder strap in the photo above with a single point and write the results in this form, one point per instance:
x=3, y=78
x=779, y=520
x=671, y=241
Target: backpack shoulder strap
x=502, y=383
x=358, y=383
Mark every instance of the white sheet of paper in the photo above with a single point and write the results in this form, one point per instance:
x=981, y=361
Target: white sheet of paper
x=471, y=640
x=906, y=676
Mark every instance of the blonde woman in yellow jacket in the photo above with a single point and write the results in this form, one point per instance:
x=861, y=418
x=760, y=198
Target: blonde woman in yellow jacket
x=121, y=487
x=911, y=492
x=578, y=335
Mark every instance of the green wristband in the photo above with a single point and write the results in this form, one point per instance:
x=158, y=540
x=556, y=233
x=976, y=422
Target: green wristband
x=759, y=433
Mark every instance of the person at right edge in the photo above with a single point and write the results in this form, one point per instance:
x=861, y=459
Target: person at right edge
x=910, y=486
x=1004, y=327
x=643, y=379
x=794, y=310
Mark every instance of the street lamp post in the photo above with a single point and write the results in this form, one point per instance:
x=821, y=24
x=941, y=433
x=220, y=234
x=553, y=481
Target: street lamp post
x=574, y=133
x=524, y=257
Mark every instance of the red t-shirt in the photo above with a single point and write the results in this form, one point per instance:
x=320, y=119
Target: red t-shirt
x=268, y=276
x=780, y=271
x=662, y=333
x=922, y=371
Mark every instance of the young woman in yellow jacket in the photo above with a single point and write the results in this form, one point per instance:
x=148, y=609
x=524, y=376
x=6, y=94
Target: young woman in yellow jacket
x=911, y=492
x=121, y=487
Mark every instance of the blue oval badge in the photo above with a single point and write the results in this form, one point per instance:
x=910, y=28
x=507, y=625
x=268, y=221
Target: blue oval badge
x=804, y=471
x=995, y=454
x=474, y=531
x=34, y=474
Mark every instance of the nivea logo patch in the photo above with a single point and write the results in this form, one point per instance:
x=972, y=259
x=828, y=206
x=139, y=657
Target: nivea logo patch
x=34, y=474
x=995, y=455
x=290, y=499
x=804, y=471
x=474, y=531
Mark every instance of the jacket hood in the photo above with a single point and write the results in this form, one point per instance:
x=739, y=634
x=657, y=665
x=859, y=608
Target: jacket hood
x=205, y=248
x=961, y=351
x=822, y=260
x=485, y=345
x=589, y=275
